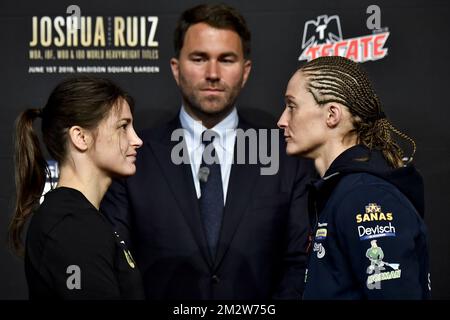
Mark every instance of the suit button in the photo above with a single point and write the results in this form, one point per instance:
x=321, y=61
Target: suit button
x=215, y=279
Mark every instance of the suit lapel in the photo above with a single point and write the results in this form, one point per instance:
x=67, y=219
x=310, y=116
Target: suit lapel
x=180, y=180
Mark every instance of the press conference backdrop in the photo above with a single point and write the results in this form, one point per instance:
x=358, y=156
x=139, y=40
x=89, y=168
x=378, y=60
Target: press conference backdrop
x=404, y=46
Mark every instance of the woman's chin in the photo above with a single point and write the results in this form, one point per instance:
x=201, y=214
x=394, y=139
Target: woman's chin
x=292, y=150
x=129, y=171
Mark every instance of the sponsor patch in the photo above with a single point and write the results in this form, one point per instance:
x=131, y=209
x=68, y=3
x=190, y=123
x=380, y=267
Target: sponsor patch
x=379, y=270
x=320, y=249
x=390, y=275
x=374, y=213
x=321, y=234
x=378, y=231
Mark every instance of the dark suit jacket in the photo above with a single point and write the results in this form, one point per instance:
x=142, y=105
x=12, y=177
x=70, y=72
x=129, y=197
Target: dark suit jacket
x=261, y=251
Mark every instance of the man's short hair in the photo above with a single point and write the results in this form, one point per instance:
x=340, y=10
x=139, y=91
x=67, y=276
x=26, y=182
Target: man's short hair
x=220, y=16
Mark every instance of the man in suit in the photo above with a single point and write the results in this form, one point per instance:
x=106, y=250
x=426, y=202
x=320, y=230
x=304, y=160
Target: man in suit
x=220, y=229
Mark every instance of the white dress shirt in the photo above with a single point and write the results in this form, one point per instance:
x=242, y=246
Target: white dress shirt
x=224, y=145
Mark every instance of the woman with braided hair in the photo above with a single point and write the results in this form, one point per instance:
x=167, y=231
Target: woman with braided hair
x=369, y=239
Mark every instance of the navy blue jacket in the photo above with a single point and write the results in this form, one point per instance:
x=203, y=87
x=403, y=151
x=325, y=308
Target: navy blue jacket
x=369, y=240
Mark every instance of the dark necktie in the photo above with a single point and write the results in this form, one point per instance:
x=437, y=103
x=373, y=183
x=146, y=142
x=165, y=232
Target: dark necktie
x=211, y=199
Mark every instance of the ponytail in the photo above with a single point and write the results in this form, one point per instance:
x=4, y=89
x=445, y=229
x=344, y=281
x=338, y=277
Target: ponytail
x=30, y=174
x=377, y=135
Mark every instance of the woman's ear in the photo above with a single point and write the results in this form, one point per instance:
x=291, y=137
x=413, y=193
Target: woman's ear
x=80, y=138
x=334, y=114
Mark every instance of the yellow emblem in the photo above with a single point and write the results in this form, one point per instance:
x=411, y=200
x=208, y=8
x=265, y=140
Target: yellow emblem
x=129, y=258
x=374, y=213
x=321, y=233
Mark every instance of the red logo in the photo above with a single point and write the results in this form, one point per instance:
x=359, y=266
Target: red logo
x=323, y=37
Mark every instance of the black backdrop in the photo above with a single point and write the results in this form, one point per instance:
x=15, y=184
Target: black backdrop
x=412, y=81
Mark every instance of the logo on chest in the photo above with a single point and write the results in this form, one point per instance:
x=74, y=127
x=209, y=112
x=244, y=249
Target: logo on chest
x=320, y=249
x=374, y=213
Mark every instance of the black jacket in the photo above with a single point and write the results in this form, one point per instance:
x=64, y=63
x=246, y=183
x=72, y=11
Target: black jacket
x=370, y=240
x=72, y=252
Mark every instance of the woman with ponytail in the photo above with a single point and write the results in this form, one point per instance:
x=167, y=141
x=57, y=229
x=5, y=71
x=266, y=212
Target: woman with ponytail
x=71, y=250
x=369, y=240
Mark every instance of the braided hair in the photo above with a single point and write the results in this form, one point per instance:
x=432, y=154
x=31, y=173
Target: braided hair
x=338, y=79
